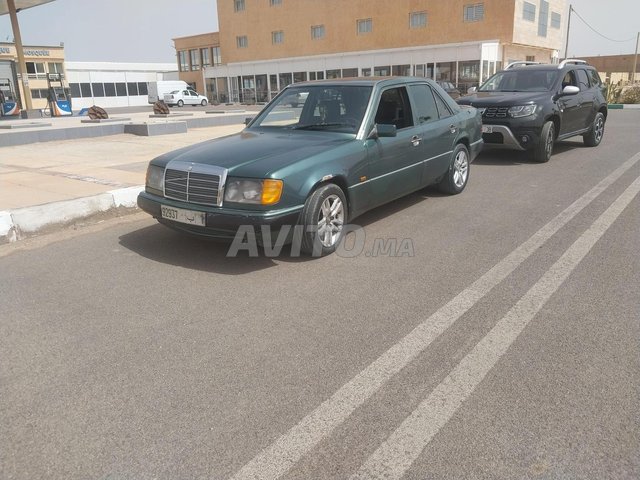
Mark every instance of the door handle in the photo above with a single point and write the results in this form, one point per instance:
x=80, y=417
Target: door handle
x=453, y=128
x=415, y=140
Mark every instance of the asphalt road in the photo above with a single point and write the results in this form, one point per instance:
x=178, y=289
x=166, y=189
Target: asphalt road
x=506, y=347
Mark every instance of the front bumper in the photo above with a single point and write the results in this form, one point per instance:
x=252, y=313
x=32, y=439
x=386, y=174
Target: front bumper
x=221, y=223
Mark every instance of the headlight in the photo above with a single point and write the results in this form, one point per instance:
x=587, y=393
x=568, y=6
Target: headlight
x=522, y=111
x=258, y=192
x=155, y=177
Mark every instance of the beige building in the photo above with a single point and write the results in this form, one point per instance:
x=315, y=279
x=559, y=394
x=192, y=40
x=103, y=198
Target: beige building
x=616, y=68
x=195, y=54
x=268, y=44
x=40, y=60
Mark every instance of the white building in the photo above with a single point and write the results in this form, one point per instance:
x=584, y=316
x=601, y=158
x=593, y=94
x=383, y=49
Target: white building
x=109, y=84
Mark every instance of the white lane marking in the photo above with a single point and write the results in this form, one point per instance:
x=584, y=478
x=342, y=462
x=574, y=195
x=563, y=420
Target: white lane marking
x=288, y=449
x=394, y=457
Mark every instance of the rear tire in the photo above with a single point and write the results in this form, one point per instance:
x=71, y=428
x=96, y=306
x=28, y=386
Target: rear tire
x=456, y=178
x=541, y=153
x=594, y=137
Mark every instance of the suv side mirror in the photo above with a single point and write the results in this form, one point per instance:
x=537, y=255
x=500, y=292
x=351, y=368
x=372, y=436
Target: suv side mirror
x=382, y=130
x=570, y=90
x=472, y=90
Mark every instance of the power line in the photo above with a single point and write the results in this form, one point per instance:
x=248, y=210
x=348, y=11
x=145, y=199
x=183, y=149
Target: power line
x=603, y=36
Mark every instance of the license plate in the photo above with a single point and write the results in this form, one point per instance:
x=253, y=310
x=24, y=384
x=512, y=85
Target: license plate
x=487, y=129
x=183, y=216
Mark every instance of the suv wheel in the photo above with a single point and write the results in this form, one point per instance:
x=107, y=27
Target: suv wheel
x=594, y=137
x=542, y=151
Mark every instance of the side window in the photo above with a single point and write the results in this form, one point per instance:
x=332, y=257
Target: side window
x=583, y=80
x=443, y=108
x=569, y=79
x=185, y=92
x=394, y=108
x=424, y=103
x=595, y=78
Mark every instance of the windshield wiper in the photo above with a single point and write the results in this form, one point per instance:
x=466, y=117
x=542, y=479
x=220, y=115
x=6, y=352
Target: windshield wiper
x=313, y=126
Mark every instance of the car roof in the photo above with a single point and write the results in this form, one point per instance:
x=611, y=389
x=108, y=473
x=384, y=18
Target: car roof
x=548, y=67
x=364, y=81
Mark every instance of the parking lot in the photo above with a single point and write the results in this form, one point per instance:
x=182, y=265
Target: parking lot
x=502, y=344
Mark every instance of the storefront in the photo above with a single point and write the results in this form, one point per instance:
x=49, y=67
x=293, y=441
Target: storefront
x=464, y=64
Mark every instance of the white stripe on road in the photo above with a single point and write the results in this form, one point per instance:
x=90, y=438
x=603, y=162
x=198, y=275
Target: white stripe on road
x=392, y=459
x=287, y=450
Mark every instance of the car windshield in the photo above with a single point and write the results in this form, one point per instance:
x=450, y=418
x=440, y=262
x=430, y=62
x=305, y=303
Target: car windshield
x=520, y=81
x=317, y=107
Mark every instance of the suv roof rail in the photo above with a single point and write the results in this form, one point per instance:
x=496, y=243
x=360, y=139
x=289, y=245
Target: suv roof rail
x=520, y=63
x=574, y=61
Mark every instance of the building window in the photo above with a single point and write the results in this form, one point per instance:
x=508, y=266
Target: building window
x=35, y=70
x=277, y=37
x=109, y=90
x=349, y=72
x=275, y=2
x=132, y=88
x=556, y=20
x=217, y=58
x=365, y=26
x=195, y=60
x=529, y=12
x=182, y=61
x=418, y=20
x=206, y=58
x=85, y=89
x=543, y=20
x=238, y=5
x=317, y=32
x=143, y=88
x=121, y=89
x=98, y=90
x=474, y=13
x=75, y=90
x=56, y=68
x=530, y=58
x=242, y=41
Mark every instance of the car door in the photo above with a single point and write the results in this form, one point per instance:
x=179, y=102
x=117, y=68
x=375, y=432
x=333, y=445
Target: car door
x=570, y=105
x=193, y=97
x=586, y=99
x=395, y=163
x=434, y=119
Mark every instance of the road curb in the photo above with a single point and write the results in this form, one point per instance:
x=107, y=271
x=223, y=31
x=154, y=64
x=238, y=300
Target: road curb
x=28, y=221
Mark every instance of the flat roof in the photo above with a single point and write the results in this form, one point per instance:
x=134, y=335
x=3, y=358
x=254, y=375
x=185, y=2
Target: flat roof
x=21, y=5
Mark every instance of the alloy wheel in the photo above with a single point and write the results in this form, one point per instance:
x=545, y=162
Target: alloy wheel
x=330, y=220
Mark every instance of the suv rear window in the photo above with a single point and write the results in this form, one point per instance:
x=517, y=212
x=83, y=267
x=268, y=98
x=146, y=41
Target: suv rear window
x=595, y=78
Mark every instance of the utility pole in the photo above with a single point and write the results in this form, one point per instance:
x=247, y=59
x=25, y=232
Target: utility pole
x=635, y=61
x=566, y=47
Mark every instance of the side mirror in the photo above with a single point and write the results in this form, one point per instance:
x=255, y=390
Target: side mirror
x=570, y=90
x=472, y=90
x=382, y=130
x=248, y=120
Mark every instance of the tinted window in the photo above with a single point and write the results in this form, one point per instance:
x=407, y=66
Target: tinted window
x=595, y=78
x=98, y=90
x=121, y=89
x=132, y=87
x=142, y=88
x=425, y=104
x=75, y=89
x=443, y=109
x=394, y=108
x=110, y=90
x=85, y=89
x=583, y=80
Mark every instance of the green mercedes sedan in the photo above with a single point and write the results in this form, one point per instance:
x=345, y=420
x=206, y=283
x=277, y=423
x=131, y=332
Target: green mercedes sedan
x=348, y=146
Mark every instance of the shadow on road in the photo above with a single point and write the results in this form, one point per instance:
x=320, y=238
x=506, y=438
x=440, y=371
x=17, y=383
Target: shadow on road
x=161, y=244
x=494, y=156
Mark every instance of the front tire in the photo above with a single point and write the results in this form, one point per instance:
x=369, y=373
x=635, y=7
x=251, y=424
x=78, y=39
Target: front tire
x=323, y=218
x=180, y=103
x=594, y=137
x=203, y=103
x=456, y=178
x=542, y=151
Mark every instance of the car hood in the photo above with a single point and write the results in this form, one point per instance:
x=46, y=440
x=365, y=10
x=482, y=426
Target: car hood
x=482, y=99
x=257, y=154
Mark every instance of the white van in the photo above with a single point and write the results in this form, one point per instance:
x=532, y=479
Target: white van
x=157, y=90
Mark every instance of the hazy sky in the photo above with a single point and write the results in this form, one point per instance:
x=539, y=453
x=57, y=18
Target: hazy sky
x=141, y=30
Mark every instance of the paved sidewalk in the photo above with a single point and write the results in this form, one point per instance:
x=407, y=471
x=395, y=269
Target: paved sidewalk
x=55, y=183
